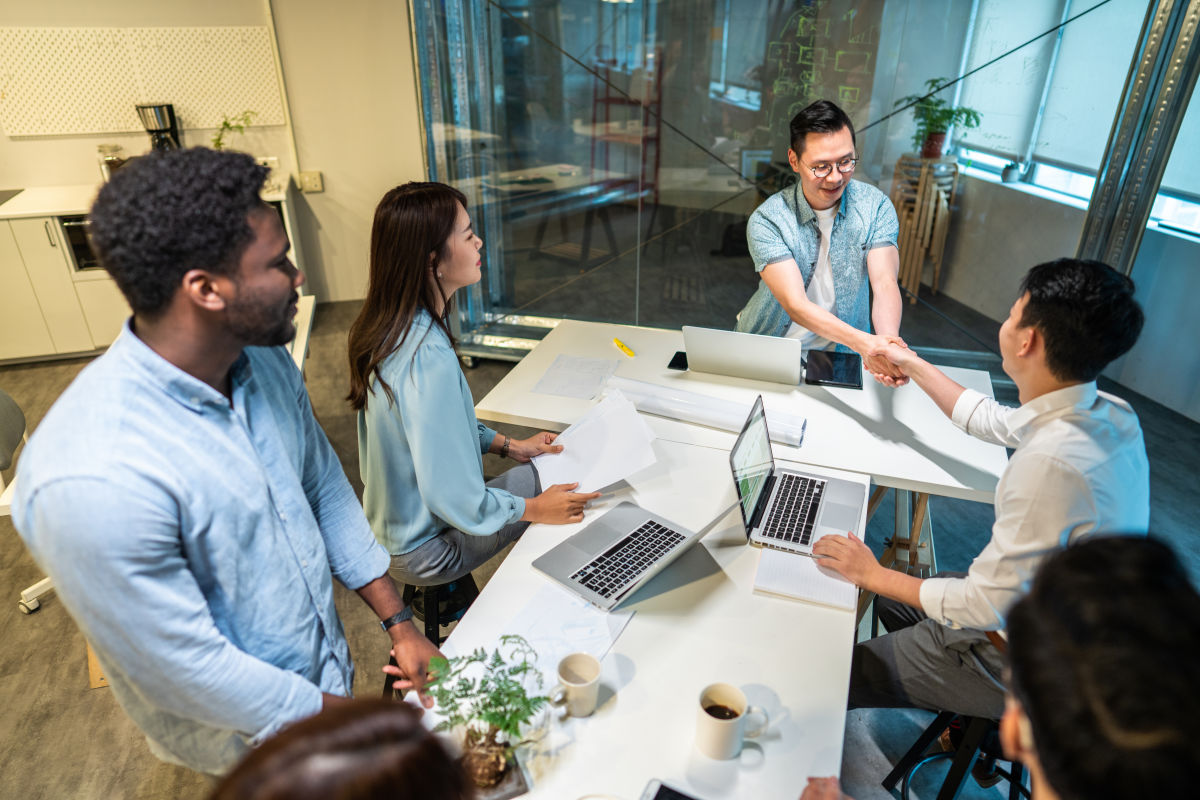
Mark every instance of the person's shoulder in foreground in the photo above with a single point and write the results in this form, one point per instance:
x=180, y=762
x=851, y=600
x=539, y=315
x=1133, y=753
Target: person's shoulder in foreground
x=359, y=750
x=1102, y=691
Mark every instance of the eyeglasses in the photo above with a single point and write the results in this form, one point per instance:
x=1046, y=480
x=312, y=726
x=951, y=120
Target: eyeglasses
x=845, y=166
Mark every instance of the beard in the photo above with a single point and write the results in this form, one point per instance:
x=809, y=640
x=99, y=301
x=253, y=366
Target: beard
x=259, y=320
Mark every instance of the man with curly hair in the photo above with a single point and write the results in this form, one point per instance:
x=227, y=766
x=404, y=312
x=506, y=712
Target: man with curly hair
x=180, y=493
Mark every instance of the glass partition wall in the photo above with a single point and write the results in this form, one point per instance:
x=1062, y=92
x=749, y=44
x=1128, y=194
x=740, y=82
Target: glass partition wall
x=613, y=151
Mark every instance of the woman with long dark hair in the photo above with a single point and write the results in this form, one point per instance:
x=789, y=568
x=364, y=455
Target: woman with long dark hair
x=420, y=447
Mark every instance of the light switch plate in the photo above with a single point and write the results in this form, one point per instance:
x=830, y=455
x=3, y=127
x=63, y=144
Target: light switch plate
x=311, y=181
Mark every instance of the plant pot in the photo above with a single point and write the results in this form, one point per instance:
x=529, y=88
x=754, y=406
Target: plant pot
x=484, y=760
x=935, y=144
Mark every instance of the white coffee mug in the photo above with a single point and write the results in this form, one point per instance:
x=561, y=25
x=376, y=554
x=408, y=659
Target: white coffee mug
x=578, y=685
x=721, y=721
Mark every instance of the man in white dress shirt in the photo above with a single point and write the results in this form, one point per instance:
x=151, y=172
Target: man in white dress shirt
x=1079, y=467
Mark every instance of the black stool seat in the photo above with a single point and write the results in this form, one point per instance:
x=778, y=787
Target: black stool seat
x=979, y=739
x=432, y=599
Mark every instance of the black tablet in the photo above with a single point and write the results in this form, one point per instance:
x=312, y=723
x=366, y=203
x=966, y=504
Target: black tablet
x=831, y=368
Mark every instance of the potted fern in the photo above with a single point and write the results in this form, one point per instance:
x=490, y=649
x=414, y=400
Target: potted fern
x=934, y=117
x=486, y=697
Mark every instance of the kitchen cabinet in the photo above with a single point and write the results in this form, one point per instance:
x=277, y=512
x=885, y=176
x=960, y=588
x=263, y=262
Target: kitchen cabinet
x=49, y=270
x=23, y=330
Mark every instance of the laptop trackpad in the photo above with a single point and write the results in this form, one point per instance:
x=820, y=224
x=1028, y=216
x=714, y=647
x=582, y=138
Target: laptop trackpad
x=595, y=538
x=839, y=516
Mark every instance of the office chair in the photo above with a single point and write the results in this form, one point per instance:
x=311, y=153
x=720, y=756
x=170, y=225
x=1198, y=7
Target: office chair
x=12, y=434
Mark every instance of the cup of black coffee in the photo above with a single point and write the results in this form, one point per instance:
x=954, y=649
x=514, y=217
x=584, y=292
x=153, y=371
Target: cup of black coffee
x=720, y=711
x=721, y=721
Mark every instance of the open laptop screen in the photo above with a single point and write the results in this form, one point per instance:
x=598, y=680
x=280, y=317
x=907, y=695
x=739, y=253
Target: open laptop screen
x=751, y=461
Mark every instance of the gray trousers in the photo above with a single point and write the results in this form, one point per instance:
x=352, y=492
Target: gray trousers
x=924, y=664
x=452, y=553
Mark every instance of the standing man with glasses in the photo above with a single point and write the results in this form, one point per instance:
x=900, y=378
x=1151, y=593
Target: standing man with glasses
x=823, y=246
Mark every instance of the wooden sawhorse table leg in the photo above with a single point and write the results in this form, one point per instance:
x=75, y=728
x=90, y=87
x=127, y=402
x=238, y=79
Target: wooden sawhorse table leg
x=907, y=538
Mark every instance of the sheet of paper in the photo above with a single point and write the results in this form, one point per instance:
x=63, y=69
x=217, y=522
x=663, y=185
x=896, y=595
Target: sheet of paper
x=575, y=376
x=557, y=623
x=609, y=443
x=802, y=578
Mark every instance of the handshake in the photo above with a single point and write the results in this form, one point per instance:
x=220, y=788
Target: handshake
x=885, y=357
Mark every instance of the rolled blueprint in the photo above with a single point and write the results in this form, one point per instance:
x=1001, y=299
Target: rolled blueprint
x=701, y=409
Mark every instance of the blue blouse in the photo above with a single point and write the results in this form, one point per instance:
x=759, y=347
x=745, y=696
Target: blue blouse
x=421, y=457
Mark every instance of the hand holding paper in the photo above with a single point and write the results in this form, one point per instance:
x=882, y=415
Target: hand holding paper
x=609, y=443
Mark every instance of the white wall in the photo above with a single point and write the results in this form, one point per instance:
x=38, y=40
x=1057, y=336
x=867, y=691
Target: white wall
x=351, y=85
x=63, y=160
x=348, y=70
x=999, y=232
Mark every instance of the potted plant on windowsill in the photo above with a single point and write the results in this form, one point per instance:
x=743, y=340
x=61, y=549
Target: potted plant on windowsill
x=934, y=117
x=486, y=698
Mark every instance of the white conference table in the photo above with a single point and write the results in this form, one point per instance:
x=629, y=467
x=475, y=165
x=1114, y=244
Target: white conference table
x=897, y=436
x=698, y=622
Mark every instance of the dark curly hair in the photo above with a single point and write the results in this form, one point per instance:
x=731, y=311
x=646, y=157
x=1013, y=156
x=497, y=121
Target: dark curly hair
x=1086, y=313
x=1103, y=653
x=166, y=213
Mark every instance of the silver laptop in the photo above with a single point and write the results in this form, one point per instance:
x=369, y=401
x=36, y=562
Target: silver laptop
x=609, y=559
x=789, y=509
x=743, y=355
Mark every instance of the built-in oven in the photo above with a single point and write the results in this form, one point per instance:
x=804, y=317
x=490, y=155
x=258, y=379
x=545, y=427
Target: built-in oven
x=75, y=233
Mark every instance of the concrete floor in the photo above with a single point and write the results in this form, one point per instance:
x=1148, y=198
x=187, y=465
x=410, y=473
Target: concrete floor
x=62, y=739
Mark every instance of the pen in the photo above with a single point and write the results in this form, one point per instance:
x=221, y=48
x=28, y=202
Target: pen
x=624, y=348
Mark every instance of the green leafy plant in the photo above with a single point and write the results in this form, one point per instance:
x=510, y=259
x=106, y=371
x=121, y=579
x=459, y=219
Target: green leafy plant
x=230, y=125
x=934, y=115
x=486, y=695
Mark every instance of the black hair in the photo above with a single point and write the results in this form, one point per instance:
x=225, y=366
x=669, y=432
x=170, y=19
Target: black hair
x=1103, y=656
x=819, y=117
x=1086, y=313
x=166, y=213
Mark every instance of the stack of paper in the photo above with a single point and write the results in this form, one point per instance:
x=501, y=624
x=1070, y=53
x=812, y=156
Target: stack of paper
x=610, y=443
x=803, y=578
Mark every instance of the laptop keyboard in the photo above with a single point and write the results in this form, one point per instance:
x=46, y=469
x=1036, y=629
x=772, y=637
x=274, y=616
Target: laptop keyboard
x=610, y=572
x=795, y=508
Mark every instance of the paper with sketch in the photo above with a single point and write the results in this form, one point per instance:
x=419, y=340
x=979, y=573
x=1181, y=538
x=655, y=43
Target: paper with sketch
x=609, y=443
x=802, y=578
x=575, y=376
x=557, y=623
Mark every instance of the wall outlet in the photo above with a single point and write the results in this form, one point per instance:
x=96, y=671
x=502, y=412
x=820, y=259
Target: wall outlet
x=311, y=181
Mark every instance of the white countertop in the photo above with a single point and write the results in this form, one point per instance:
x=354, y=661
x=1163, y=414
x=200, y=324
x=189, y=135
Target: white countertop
x=50, y=201
x=57, y=201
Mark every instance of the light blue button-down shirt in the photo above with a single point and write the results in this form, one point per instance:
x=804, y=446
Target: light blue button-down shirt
x=193, y=543
x=784, y=227
x=421, y=457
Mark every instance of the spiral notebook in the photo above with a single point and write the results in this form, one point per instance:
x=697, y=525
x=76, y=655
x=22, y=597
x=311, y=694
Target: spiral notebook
x=802, y=578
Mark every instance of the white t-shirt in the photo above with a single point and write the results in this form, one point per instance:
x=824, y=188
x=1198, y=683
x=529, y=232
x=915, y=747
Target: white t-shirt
x=820, y=288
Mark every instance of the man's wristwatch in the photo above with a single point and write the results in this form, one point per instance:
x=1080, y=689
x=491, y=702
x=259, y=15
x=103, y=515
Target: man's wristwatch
x=396, y=619
x=504, y=449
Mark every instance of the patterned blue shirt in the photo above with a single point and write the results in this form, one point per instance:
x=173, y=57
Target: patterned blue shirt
x=193, y=544
x=784, y=227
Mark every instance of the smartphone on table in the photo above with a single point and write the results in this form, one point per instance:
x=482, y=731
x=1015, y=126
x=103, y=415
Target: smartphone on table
x=657, y=790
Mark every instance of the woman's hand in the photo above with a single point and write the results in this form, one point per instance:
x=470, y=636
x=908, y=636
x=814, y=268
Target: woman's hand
x=558, y=505
x=523, y=450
